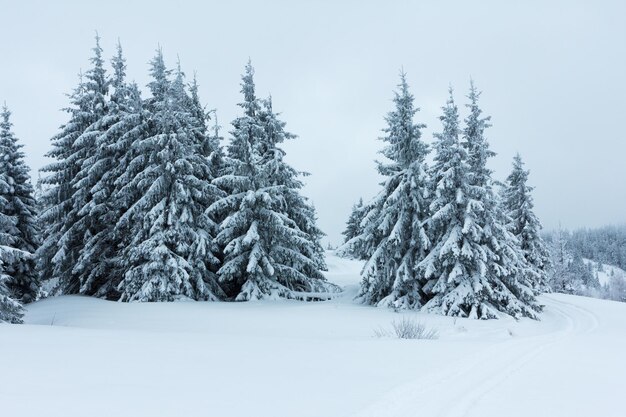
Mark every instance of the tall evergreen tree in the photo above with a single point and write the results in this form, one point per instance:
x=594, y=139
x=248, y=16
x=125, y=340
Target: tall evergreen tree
x=18, y=202
x=98, y=266
x=266, y=253
x=456, y=264
x=519, y=205
x=168, y=244
x=473, y=265
x=295, y=206
x=66, y=229
x=85, y=151
x=507, y=262
x=10, y=309
x=390, y=276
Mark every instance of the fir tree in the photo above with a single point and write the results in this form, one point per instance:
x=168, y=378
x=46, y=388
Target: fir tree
x=390, y=276
x=168, y=247
x=266, y=253
x=352, y=244
x=85, y=153
x=296, y=206
x=65, y=227
x=457, y=261
x=519, y=205
x=353, y=225
x=98, y=266
x=514, y=294
x=18, y=202
x=363, y=245
x=474, y=264
x=10, y=308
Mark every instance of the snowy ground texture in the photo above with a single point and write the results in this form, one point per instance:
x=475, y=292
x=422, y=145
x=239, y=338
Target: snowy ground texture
x=79, y=356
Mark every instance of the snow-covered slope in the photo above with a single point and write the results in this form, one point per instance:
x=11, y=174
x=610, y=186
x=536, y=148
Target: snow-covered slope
x=80, y=357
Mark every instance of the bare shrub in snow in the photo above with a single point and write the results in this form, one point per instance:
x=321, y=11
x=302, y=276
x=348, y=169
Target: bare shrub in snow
x=408, y=328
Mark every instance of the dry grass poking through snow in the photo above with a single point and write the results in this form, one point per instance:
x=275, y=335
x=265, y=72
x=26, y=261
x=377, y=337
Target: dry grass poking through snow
x=408, y=328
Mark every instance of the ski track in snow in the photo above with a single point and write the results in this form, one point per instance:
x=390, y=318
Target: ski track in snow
x=468, y=381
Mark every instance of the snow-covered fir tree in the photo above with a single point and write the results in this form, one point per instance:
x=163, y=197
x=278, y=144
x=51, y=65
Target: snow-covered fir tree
x=98, y=267
x=390, y=276
x=457, y=260
x=85, y=150
x=169, y=254
x=18, y=202
x=53, y=261
x=513, y=286
x=525, y=225
x=267, y=252
x=473, y=264
x=353, y=246
x=10, y=309
x=296, y=206
x=353, y=225
x=64, y=223
x=363, y=245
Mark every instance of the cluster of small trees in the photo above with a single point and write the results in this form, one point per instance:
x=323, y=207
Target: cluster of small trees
x=142, y=203
x=441, y=237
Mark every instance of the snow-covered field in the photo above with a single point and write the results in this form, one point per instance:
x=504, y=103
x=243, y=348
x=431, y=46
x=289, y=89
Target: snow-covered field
x=82, y=357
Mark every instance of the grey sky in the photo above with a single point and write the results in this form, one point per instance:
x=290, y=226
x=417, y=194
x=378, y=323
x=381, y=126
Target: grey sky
x=553, y=76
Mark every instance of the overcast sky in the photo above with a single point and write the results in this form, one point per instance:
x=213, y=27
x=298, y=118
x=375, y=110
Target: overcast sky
x=553, y=76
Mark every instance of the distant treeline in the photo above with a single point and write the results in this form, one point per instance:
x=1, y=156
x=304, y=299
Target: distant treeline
x=606, y=244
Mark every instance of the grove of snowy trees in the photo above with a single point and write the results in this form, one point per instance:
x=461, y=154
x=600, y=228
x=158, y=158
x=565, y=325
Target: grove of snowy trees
x=142, y=201
x=441, y=237
x=449, y=238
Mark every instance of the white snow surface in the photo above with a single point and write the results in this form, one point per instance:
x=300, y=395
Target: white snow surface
x=79, y=356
